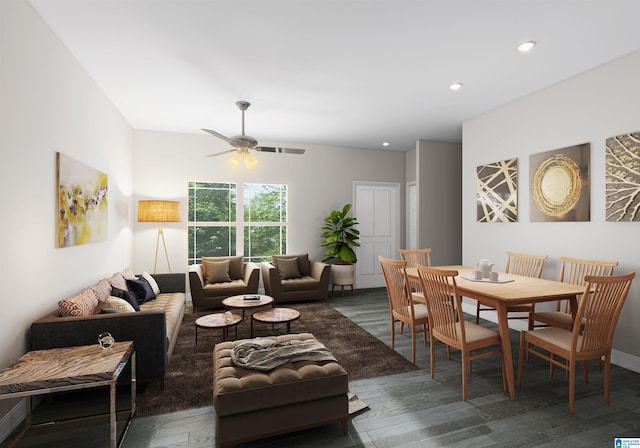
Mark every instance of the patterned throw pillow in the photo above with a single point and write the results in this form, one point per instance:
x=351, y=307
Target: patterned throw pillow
x=128, y=274
x=118, y=281
x=121, y=305
x=102, y=289
x=84, y=304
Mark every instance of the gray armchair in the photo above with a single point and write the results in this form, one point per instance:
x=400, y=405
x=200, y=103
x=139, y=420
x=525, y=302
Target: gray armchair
x=291, y=278
x=217, y=278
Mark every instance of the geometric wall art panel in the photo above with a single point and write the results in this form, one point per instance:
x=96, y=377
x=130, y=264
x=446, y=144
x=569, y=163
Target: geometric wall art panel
x=82, y=203
x=623, y=178
x=559, y=182
x=497, y=192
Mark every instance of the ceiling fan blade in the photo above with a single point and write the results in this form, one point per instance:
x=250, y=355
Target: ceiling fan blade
x=279, y=150
x=220, y=153
x=216, y=134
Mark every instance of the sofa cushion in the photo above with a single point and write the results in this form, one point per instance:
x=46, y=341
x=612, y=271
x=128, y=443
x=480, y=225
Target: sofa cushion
x=226, y=289
x=152, y=282
x=102, y=289
x=128, y=274
x=304, y=266
x=142, y=289
x=121, y=305
x=236, y=266
x=83, y=304
x=288, y=268
x=118, y=281
x=216, y=271
x=127, y=295
x=171, y=305
x=300, y=284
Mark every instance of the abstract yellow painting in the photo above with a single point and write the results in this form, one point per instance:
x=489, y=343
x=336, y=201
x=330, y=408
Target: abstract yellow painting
x=82, y=203
x=497, y=192
x=623, y=178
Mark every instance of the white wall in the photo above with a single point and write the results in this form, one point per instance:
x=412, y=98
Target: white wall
x=319, y=181
x=589, y=108
x=49, y=104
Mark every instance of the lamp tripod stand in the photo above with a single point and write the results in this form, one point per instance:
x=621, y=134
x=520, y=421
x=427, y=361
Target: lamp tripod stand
x=164, y=244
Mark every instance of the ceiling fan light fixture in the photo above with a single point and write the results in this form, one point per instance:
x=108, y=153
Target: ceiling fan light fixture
x=235, y=160
x=250, y=161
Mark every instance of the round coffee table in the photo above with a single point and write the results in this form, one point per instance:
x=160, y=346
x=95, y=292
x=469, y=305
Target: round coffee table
x=222, y=321
x=275, y=316
x=242, y=303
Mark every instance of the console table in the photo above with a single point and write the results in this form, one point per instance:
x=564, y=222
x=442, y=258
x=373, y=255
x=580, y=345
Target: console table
x=72, y=368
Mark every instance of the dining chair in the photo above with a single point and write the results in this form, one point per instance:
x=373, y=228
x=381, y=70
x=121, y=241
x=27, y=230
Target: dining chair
x=527, y=265
x=447, y=324
x=414, y=257
x=599, y=310
x=401, y=306
x=574, y=271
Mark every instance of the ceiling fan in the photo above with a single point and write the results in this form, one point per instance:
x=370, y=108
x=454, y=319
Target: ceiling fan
x=243, y=143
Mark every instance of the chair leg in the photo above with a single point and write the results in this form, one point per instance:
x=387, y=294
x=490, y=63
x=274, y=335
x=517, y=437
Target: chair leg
x=393, y=334
x=432, y=355
x=585, y=372
x=424, y=334
x=477, y=312
x=572, y=385
x=465, y=372
x=413, y=344
x=607, y=373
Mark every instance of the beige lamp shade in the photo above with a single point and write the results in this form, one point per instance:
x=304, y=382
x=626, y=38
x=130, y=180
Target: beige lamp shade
x=158, y=211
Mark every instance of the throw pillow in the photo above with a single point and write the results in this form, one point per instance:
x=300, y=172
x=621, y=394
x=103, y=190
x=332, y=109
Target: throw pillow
x=128, y=274
x=142, y=289
x=120, y=305
x=236, y=266
x=217, y=271
x=118, y=281
x=129, y=296
x=288, y=268
x=152, y=282
x=83, y=304
x=106, y=308
x=102, y=289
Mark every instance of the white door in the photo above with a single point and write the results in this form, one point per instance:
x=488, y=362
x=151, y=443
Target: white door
x=377, y=209
x=412, y=216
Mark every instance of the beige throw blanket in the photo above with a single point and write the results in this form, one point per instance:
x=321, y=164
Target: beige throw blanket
x=266, y=354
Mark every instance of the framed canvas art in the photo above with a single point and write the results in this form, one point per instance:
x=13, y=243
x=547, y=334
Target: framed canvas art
x=560, y=184
x=623, y=178
x=82, y=203
x=497, y=192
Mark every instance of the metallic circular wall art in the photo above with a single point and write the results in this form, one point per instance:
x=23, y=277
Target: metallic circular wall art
x=556, y=185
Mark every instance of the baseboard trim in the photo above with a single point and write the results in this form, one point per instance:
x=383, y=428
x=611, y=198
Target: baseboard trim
x=618, y=358
x=12, y=419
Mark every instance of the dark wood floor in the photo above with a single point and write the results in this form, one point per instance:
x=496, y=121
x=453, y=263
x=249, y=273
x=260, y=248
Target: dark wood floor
x=412, y=410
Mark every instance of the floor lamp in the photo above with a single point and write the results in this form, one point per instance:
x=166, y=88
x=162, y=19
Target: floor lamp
x=159, y=211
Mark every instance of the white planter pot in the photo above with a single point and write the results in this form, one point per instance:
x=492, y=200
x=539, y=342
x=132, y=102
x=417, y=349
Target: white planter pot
x=342, y=274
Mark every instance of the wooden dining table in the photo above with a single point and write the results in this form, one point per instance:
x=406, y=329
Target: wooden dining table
x=499, y=295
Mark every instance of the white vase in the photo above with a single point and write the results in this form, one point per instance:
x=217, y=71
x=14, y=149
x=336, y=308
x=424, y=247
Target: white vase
x=342, y=274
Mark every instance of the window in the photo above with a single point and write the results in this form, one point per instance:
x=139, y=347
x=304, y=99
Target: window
x=226, y=220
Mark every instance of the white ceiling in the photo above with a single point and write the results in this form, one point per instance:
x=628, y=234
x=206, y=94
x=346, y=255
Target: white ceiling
x=338, y=72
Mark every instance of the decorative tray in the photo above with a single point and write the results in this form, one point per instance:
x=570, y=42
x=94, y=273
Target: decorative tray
x=501, y=279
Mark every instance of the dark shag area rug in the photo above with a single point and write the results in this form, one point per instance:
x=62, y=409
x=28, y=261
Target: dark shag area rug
x=188, y=383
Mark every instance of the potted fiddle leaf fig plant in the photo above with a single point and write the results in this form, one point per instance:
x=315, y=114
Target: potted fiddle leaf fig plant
x=340, y=237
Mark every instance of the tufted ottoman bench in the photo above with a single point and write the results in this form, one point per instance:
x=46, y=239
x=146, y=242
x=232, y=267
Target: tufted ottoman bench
x=251, y=404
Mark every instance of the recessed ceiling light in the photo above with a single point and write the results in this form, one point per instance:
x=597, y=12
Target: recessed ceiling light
x=524, y=47
x=455, y=86
x=385, y=143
